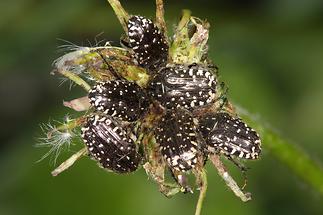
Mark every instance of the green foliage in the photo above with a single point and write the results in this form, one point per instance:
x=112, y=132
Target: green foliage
x=289, y=154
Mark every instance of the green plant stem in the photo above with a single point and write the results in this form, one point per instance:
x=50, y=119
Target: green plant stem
x=288, y=153
x=76, y=79
x=179, y=48
x=186, y=15
x=203, y=188
x=120, y=12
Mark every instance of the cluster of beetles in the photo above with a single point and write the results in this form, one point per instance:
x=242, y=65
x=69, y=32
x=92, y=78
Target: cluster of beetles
x=185, y=133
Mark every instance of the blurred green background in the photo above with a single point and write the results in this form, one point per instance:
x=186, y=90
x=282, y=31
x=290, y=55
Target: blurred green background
x=270, y=54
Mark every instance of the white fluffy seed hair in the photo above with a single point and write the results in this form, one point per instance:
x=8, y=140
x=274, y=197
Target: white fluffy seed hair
x=56, y=140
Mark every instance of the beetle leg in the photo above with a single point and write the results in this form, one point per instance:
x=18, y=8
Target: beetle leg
x=241, y=167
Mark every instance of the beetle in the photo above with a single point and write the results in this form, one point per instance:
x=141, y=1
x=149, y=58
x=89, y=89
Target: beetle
x=147, y=42
x=229, y=135
x=119, y=98
x=109, y=143
x=180, y=144
x=189, y=86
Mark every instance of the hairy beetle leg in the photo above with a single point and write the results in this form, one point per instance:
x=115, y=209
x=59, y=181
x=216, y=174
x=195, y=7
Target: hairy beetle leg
x=242, y=168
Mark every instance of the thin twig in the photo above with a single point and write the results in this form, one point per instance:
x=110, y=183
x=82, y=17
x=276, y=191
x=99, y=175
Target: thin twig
x=69, y=162
x=230, y=182
x=160, y=18
x=120, y=12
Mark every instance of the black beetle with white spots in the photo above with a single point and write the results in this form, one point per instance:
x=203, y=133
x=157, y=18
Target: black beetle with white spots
x=120, y=99
x=150, y=48
x=179, y=141
x=230, y=136
x=188, y=86
x=109, y=143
